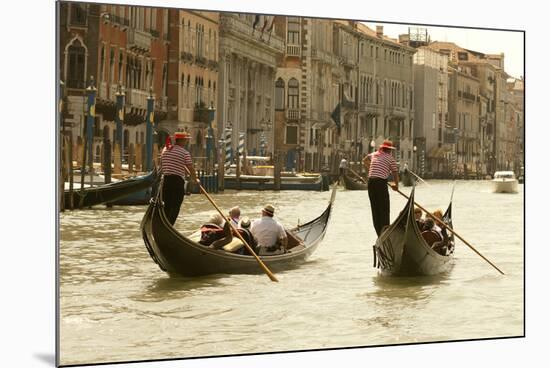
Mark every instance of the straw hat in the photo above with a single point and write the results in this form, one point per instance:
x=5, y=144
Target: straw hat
x=182, y=135
x=245, y=222
x=387, y=144
x=269, y=209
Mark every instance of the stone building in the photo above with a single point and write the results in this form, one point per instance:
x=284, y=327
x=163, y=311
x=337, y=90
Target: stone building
x=516, y=97
x=464, y=117
x=248, y=55
x=192, y=77
x=435, y=146
x=114, y=44
x=386, y=93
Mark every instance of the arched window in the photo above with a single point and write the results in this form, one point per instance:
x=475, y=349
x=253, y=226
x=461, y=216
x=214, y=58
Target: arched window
x=293, y=94
x=279, y=94
x=76, y=64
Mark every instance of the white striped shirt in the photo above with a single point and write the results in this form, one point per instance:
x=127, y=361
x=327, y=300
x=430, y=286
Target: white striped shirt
x=173, y=160
x=382, y=164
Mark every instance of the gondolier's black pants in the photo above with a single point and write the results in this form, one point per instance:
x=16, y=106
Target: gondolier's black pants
x=379, y=203
x=173, y=190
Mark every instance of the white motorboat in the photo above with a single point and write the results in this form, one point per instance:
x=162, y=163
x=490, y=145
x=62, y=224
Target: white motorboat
x=505, y=182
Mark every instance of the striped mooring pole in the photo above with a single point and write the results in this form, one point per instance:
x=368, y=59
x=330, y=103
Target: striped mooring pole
x=228, y=150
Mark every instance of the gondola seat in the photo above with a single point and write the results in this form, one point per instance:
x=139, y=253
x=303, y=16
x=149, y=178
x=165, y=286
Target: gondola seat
x=431, y=237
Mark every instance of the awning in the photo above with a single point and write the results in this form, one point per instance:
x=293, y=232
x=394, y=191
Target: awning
x=437, y=152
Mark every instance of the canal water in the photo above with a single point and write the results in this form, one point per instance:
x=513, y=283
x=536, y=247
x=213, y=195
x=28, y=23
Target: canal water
x=117, y=305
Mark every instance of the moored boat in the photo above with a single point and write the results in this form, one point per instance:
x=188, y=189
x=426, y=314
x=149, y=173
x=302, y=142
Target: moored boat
x=504, y=182
x=353, y=184
x=108, y=193
x=178, y=254
x=401, y=250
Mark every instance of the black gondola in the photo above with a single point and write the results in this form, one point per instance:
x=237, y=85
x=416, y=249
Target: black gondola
x=406, y=178
x=112, y=192
x=353, y=184
x=402, y=251
x=178, y=255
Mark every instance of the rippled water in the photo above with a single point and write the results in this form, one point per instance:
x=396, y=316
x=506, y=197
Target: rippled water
x=117, y=305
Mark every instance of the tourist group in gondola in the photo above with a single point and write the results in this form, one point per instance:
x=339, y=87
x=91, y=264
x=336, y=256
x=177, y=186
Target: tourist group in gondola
x=417, y=243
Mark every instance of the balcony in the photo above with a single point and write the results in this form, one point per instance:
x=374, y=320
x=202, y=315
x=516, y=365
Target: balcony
x=398, y=112
x=136, y=98
x=161, y=103
x=139, y=40
x=237, y=26
x=200, y=113
x=186, y=57
x=293, y=50
x=212, y=64
x=292, y=114
x=154, y=33
x=200, y=60
x=322, y=56
x=102, y=91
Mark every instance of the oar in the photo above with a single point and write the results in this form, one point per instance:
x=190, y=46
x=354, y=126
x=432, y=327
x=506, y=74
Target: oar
x=359, y=176
x=262, y=265
x=452, y=231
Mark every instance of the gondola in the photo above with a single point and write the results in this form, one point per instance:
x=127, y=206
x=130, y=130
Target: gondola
x=353, y=184
x=402, y=251
x=406, y=178
x=108, y=193
x=178, y=255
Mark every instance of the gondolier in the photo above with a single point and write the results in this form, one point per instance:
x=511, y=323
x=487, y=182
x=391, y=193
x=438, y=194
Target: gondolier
x=174, y=160
x=380, y=165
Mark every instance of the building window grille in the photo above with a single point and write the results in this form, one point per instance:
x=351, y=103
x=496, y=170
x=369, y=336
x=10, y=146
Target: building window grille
x=291, y=134
x=76, y=61
x=78, y=14
x=279, y=94
x=293, y=93
x=293, y=31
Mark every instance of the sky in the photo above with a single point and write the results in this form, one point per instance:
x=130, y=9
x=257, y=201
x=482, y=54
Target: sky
x=481, y=40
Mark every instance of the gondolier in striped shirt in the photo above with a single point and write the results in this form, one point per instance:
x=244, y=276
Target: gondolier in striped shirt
x=380, y=165
x=174, y=160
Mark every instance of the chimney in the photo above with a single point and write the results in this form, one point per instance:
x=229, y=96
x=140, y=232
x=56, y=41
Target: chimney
x=379, y=31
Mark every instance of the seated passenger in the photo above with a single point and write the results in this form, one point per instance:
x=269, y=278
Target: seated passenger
x=269, y=233
x=216, y=232
x=244, y=230
x=235, y=215
x=418, y=218
x=429, y=232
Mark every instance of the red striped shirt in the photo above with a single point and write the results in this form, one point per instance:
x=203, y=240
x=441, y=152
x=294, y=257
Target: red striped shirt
x=382, y=164
x=173, y=160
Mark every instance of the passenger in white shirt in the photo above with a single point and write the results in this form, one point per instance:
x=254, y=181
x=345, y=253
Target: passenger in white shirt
x=268, y=232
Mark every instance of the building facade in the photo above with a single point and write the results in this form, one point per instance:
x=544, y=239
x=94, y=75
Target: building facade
x=434, y=148
x=248, y=54
x=192, y=77
x=121, y=49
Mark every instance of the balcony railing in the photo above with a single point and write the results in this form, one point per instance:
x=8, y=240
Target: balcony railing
x=187, y=57
x=103, y=90
x=234, y=24
x=293, y=50
x=292, y=114
x=200, y=60
x=136, y=98
x=212, y=64
x=139, y=40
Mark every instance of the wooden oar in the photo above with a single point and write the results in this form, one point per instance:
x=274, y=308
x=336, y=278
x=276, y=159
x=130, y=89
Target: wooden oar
x=452, y=231
x=262, y=265
x=359, y=176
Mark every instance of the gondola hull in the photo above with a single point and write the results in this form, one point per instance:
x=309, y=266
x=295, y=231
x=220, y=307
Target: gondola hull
x=402, y=251
x=109, y=193
x=351, y=184
x=406, y=178
x=180, y=256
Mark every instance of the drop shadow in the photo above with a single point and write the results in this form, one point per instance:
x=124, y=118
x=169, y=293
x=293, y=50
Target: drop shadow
x=47, y=358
